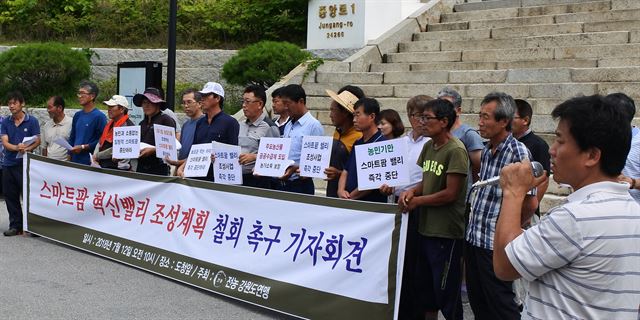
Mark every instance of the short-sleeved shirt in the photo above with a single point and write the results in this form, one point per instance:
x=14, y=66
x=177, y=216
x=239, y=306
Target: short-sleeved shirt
x=152, y=164
x=352, y=171
x=632, y=166
x=348, y=138
x=223, y=128
x=28, y=127
x=339, y=157
x=445, y=221
x=52, y=131
x=583, y=257
x=472, y=142
x=86, y=128
x=281, y=126
x=307, y=125
x=249, y=138
x=486, y=203
x=186, y=137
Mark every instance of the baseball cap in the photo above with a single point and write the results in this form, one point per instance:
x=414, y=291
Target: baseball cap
x=117, y=100
x=212, y=87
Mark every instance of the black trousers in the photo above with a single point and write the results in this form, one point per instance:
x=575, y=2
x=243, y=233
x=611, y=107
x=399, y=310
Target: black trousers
x=490, y=297
x=410, y=307
x=12, y=187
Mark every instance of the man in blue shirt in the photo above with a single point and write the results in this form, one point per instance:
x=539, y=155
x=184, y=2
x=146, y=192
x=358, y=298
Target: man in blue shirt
x=302, y=124
x=365, y=119
x=87, y=124
x=191, y=105
x=13, y=132
x=215, y=125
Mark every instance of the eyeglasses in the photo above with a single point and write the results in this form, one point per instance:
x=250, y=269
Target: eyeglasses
x=423, y=118
x=82, y=93
x=190, y=102
x=249, y=101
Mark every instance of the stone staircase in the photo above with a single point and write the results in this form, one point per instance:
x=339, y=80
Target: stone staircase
x=544, y=51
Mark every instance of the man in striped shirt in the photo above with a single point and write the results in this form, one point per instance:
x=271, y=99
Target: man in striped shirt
x=490, y=297
x=582, y=259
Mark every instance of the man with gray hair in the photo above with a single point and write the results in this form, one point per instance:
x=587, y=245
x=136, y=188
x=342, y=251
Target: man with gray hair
x=469, y=136
x=87, y=124
x=490, y=297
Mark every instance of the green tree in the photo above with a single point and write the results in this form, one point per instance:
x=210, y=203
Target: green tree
x=41, y=70
x=263, y=63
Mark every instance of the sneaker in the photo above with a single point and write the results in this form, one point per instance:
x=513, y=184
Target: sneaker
x=12, y=232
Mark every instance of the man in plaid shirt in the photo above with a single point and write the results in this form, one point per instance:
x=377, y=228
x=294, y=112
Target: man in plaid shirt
x=490, y=297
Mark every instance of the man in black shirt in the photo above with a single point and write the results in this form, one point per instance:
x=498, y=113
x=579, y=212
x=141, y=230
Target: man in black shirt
x=152, y=105
x=215, y=125
x=537, y=146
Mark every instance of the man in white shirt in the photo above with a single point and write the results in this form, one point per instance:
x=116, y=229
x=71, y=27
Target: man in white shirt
x=582, y=258
x=58, y=127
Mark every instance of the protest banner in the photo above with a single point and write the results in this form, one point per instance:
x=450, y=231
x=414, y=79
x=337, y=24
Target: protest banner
x=198, y=161
x=227, y=168
x=339, y=260
x=126, y=142
x=273, y=157
x=381, y=163
x=315, y=156
x=165, y=142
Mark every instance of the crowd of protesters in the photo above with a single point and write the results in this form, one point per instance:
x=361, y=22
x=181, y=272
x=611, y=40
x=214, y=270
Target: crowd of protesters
x=579, y=261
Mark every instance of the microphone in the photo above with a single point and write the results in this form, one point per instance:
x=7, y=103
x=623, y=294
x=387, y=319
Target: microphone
x=536, y=167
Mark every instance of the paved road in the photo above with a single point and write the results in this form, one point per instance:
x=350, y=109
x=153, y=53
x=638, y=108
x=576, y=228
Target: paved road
x=40, y=278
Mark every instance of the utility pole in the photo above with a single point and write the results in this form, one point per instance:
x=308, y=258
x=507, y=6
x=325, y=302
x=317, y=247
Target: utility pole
x=171, y=58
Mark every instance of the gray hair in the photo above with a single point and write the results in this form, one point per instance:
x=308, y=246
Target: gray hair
x=91, y=87
x=505, y=106
x=449, y=92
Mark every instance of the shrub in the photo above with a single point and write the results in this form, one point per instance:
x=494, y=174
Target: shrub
x=41, y=70
x=143, y=23
x=263, y=63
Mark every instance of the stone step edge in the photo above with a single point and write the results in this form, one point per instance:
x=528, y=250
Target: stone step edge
x=516, y=4
x=543, y=15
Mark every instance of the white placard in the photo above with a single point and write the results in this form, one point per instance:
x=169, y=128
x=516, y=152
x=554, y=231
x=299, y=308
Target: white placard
x=227, y=168
x=198, y=161
x=126, y=142
x=63, y=143
x=273, y=157
x=165, y=142
x=381, y=163
x=315, y=156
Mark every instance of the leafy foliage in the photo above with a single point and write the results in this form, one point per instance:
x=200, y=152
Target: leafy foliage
x=143, y=23
x=263, y=63
x=41, y=70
